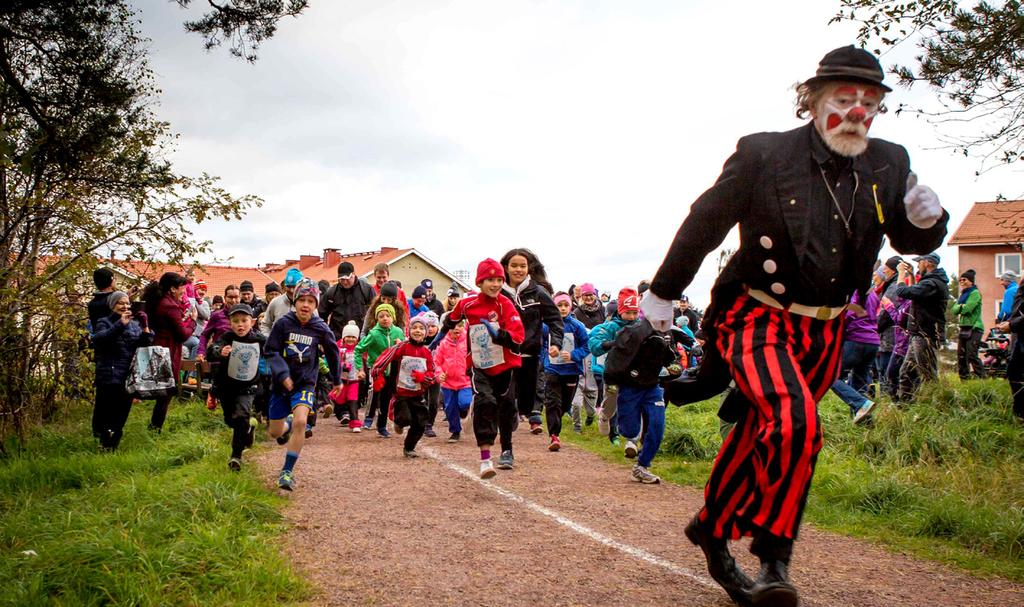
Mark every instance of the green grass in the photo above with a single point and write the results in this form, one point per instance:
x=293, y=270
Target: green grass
x=160, y=522
x=942, y=479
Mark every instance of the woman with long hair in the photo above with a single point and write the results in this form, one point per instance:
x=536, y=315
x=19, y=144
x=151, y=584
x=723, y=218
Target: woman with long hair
x=171, y=324
x=526, y=284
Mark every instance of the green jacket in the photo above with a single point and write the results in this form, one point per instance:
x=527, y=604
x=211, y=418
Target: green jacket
x=375, y=342
x=969, y=312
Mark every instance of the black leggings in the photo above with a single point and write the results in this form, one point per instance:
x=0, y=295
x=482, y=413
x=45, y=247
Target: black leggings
x=559, y=391
x=526, y=388
x=237, y=409
x=111, y=411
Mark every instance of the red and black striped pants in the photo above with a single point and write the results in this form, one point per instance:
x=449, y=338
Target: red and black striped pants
x=783, y=364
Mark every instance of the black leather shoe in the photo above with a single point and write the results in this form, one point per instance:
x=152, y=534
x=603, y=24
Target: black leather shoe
x=772, y=588
x=721, y=565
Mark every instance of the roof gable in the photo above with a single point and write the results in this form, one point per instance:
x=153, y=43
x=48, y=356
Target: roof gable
x=994, y=222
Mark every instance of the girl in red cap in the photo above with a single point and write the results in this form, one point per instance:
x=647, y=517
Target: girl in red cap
x=495, y=334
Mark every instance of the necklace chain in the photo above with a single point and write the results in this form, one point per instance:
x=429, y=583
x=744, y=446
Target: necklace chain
x=835, y=201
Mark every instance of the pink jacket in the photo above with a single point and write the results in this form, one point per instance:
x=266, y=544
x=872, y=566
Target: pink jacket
x=450, y=358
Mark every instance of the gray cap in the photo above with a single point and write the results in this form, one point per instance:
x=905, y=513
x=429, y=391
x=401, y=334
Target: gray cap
x=115, y=297
x=932, y=257
x=1009, y=275
x=240, y=308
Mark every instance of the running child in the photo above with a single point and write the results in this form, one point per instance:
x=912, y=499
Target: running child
x=412, y=368
x=293, y=351
x=562, y=373
x=238, y=351
x=434, y=389
x=450, y=360
x=495, y=336
x=381, y=336
x=346, y=402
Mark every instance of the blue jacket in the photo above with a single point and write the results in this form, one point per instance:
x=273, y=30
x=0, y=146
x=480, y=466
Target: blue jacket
x=581, y=351
x=606, y=331
x=413, y=310
x=115, y=344
x=293, y=350
x=1007, y=308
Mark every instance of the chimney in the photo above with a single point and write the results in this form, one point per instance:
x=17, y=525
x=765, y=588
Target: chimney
x=290, y=262
x=331, y=258
x=387, y=249
x=308, y=261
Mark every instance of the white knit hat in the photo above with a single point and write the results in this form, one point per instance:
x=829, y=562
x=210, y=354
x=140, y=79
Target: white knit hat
x=350, y=330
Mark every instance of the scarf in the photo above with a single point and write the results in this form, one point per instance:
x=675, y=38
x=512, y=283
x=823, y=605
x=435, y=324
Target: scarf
x=965, y=294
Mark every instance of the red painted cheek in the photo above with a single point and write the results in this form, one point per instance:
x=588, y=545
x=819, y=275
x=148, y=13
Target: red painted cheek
x=833, y=121
x=867, y=123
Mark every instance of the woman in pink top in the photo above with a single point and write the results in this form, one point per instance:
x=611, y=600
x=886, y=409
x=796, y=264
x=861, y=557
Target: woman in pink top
x=450, y=362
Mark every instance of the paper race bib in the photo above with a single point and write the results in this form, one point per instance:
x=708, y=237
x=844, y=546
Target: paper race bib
x=244, y=361
x=410, y=364
x=485, y=352
x=350, y=361
x=568, y=345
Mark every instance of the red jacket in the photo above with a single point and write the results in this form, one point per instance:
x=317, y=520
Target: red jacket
x=406, y=383
x=170, y=329
x=503, y=316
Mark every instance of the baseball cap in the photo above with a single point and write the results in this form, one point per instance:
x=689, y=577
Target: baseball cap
x=346, y=270
x=240, y=308
x=932, y=257
x=426, y=283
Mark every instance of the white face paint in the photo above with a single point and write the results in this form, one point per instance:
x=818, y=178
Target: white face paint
x=844, y=115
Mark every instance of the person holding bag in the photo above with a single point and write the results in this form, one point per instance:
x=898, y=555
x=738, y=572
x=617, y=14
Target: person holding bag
x=116, y=339
x=171, y=325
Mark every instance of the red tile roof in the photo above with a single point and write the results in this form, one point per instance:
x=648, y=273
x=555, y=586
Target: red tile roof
x=216, y=277
x=326, y=268
x=995, y=222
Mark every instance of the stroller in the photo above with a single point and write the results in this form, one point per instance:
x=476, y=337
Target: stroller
x=995, y=353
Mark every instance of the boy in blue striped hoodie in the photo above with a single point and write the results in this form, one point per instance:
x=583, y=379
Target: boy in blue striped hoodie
x=293, y=352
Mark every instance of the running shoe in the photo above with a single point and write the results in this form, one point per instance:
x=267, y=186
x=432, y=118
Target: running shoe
x=616, y=442
x=555, y=444
x=487, y=469
x=309, y=431
x=383, y=433
x=455, y=437
x=536, y=428
x=357, y=430
x=506, y=461
x=410, y=453
x=328, y=410
x=235, y=464
x=590, y=420
x=345, y=419
x=429, y=432
x=643, y=475
x=864, y=413
x=211, y=402
x=631, y=449
x=286, y=480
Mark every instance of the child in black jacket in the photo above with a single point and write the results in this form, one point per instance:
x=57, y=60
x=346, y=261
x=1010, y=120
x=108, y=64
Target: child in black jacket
x=237, y=378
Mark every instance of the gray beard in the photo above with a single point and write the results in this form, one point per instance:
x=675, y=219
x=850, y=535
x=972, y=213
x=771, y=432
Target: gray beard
x=846, y=144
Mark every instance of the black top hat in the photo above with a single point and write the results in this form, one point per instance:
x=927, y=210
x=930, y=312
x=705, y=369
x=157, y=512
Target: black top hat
x=851, y=64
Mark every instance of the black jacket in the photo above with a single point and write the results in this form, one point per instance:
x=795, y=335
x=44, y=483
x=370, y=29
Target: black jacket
x=98, y=308
x=770, y=186
x=224, y=384
x=590, y=319
x=535, y=307
x=435, y=306
x=339, y=305
x=929, y=299
x=1016, y=318
x=115, y=344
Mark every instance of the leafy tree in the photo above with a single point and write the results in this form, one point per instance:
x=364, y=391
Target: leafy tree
x=971, y=52
x=83, y=170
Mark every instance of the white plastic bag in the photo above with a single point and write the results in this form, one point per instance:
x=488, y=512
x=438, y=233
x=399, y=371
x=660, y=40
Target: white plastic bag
x=152, y=374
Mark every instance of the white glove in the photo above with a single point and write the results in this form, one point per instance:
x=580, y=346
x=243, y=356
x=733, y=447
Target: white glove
x=923, y=208
x=657, y=311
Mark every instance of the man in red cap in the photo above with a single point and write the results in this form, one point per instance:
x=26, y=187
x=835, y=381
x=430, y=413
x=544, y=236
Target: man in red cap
x=813, y=205
x=495, y=333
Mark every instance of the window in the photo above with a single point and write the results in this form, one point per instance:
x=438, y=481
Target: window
x=1007, y=262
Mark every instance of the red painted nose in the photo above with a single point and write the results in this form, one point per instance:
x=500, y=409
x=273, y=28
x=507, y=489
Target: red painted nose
x=857, y=114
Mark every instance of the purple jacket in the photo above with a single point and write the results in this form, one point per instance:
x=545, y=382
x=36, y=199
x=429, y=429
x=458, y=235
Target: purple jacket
x=863, y=329
x=218, y=325
x=898, y=314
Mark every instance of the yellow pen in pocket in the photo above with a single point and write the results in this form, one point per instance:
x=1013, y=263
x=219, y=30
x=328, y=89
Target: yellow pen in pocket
x=878, y=207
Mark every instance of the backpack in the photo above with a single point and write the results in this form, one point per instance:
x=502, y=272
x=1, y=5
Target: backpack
x=637, y=356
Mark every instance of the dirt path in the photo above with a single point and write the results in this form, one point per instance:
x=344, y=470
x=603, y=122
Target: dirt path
x=374, y=528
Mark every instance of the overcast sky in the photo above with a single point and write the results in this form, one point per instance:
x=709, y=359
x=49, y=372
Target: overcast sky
x=582, y=130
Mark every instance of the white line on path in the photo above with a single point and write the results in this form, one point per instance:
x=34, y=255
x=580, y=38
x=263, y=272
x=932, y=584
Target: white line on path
x=633, y=551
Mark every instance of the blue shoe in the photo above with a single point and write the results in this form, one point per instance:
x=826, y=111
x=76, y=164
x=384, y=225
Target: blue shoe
x=286, y=480
x=506, y=461
x=383, y=433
